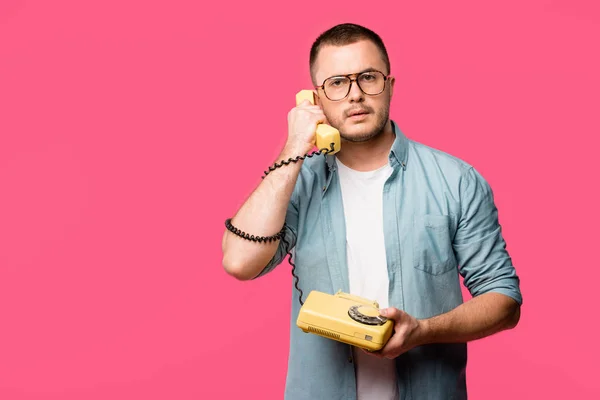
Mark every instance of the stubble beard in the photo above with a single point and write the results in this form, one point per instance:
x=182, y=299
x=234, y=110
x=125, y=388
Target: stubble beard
x=381, y=119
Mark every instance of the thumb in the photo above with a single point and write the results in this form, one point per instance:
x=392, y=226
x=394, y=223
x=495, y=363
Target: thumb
x=391, y=313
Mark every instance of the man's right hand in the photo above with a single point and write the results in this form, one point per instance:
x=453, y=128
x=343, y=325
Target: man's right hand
x=302, y=124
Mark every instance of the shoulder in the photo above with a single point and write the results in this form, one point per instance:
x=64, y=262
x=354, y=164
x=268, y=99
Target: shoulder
x=430, y=159
x=443, y=170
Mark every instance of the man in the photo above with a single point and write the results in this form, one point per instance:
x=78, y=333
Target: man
x=385, y=218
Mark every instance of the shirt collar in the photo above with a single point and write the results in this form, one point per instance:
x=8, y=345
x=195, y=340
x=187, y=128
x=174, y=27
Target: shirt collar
x=398, y=153
x=399, y=149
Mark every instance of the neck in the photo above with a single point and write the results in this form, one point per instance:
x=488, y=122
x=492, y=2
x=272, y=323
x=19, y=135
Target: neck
x=369, y=155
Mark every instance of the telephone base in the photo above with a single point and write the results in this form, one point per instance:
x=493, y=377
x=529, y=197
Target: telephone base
x=345, y=318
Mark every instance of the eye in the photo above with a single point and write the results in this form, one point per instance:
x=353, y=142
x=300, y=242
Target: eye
x=368, y=77
x=336, y=82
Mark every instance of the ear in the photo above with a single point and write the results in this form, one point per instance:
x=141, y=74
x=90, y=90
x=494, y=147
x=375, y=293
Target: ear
x=391, y=82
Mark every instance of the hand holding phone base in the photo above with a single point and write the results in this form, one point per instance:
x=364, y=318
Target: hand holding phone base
x=346, y=318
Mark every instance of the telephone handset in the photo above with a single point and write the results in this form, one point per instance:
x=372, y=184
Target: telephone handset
x=342, y=317
x=327, y=138
x=325, y=134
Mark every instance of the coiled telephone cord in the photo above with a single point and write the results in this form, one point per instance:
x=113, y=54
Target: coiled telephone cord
x=323, y=151
x=281, y=234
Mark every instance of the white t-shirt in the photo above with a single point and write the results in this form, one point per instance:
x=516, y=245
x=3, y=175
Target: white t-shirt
x=362, y=195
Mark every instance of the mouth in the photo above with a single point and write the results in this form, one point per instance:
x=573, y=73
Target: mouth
x=357, y=114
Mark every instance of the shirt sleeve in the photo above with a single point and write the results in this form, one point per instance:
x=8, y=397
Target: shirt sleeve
x=287, y=243
x=480, y=248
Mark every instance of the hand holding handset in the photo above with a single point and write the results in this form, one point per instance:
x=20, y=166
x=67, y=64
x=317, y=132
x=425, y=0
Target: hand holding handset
x=327, y=138
x=343, y=317
x=325, y=134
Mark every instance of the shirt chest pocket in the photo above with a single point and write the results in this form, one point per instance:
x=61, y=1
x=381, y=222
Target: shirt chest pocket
x=432, y=244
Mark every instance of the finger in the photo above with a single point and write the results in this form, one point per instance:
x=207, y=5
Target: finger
x=313, y=114
x=311, y=111
x=390, y=352
x=322, y=120
x=389, y=346
x=391, y=313
x=386, y=354
x=307, y=106
x=373, y=353
x=304, y=103
x=393, y=345
x=318, y=117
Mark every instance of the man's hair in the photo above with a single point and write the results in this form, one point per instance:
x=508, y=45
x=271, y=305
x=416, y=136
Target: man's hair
x=344, y=34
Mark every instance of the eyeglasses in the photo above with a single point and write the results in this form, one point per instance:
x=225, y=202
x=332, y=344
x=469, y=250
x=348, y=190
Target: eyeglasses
x=336, y=88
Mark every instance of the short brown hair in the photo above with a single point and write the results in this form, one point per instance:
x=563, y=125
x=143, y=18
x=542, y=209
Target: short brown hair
x=343, y=34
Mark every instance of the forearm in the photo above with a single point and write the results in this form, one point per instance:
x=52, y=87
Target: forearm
x=479, y=317
x=262, y=214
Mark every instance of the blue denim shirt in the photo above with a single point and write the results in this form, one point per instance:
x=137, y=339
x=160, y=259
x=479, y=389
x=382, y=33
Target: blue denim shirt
x=440, y=221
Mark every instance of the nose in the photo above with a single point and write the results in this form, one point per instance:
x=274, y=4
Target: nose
x=355, y=94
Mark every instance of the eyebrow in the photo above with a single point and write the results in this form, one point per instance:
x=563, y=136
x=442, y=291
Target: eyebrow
x=370, y=69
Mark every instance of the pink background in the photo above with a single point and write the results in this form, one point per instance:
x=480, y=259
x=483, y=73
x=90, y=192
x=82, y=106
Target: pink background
x=130, y=130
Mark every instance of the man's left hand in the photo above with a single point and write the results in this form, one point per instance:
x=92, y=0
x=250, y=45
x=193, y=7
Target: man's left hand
x=408, y=333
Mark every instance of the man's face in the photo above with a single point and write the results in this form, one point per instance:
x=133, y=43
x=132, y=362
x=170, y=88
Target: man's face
x=350, y=59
